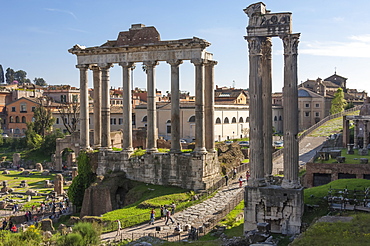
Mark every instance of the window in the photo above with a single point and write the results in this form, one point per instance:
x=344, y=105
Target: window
x=247, y=119
x=218, y=120
x=275, y=118
x=23, y=119
x=33, y=119
x=307, y=114
x=145, y=119
x=233, y=120
x=317, y=105
x=75, y=98
x=23, y=108
x=114, y=121
x=57, y=120
x=120, y=121
x=11, y=119
x=33, y=109
x=63, y=98
x=307, y=105
x=280, y=118
x=317, y=114
x=13, y=109
x=226, y=120
x=168, y=128
x=17, y=131
x=17, y=119
x=241, y=120
x=192, y=118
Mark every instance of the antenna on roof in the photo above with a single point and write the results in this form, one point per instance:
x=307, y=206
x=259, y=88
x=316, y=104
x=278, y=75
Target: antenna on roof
x=233, y=84
x=335, y=70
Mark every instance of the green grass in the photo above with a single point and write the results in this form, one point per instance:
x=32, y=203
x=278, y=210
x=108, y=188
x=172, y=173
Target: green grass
x=330, y=127
x=350, y=159
x=355, y=232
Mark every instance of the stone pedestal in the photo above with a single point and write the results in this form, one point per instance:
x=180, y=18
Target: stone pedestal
x=58, y=184
x=281, y=208
x=350, y=150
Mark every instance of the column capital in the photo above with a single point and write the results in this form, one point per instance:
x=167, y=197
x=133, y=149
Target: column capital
x=150, y=63
x=83, y=66
x=95, y=67
x=105, y=66
x=198, y=61
x=211, y=63
x=254, y=45
x=290, y=42
x=174, y=62
x=128, y=64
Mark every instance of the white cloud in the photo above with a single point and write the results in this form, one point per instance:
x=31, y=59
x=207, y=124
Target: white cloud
x=357, y=46
x=62, y=11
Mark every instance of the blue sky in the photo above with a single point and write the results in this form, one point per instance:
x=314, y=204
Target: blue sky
x=35, y=37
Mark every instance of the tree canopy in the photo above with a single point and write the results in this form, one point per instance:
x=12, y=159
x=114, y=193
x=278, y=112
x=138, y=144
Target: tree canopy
x=40, y=82
x=44, y=119
x=338, y=103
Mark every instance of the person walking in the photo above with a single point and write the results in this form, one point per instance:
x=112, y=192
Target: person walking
x=173, y=207
x=248, y=175
x=168, y=217
x=119, y=228
x=234, y=173
x=240, y=182
x=162, y=213
x=152, y=216
x=226, y=179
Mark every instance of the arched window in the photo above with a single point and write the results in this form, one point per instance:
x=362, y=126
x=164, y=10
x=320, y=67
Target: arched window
x=241, y=120
x=168, y=126
x=168, y=122
x=11, y=119
x=16, y=131
x=233, y=120
x=145, y=119
x=275, y=118
x=218, y=120
x=280, y=118
x=23, y=119
x=226, y=120
x=17, y=119
x=192, y=118
x=247, y=119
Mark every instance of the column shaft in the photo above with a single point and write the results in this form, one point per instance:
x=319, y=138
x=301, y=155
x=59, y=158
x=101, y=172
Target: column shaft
x=105, y=107
x=97, y=106
x=365, y=142
x=175, y=105
x=151, y=107
x=267, y=105
x=345, y=131
x=256, y=112
x=290, y=112
x=355, y=135
x=209, y=104
x=199, y=107
x=84, y=108
x=127, y=106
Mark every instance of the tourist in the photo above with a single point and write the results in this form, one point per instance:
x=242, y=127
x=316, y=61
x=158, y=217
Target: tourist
x=5, y=223
x=10, y=225
x=234, y=173
x=168, y=216
x=193, y=234
x=226, y=179
x=240, y=181
x=119, y=228
x=173, y=207
x=14, y=229
x=248, y=175
x=162, y=213
x=178, y=228
x=152, y=216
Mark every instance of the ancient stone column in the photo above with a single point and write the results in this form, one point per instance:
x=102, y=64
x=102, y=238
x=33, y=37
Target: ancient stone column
x=345, y=131
x=256, y=112
x=209, y=104
x=175, y=105
x=105, y=106
x=365, y=142
x=199, y=107
x=127, y=106
x=267, y=105
x=151, y=106
x=97, y=106
x=290, y=111
x=355, y=135
x=84, y=108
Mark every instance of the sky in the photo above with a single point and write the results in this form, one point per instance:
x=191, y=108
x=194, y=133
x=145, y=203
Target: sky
x=36, y=35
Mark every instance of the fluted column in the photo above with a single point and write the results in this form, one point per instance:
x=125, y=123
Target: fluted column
x=84, y=108
x=256, y=112
x=199, y=107
x=267, y=105
x=97, y=105
x=127, y=106
x=151, y=107
x=355, y=134
x=105, y=106
x=365, y=142
x=209, y=104
x=175, y=105
x=290, y=111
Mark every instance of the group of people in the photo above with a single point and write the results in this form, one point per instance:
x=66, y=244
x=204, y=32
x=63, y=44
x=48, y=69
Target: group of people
x=9, y=226
x=241, y=180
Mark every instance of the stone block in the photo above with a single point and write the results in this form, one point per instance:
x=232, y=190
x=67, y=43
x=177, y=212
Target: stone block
x=364, y=161
x=45, y=173
x=5, y=172
x=363, y=151
x=341, y=159
x=335, y=153
x=47, y=225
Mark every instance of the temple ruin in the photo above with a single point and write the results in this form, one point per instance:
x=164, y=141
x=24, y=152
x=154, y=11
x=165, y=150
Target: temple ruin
x=143, y=44
x=279, y=205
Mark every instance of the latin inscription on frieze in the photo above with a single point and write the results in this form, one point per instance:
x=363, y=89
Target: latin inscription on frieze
x=268, y=25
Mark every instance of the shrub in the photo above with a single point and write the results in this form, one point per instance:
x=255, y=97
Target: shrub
x=89, y=232
x=72, y=239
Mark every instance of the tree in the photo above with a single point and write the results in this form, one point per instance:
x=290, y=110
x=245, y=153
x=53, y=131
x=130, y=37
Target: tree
x=40, y=82
x=33, y=140
x=21, y=77
x=43, y=115
x=9, y=76
x=70, y=114
x=1, y=74
x=338, y=103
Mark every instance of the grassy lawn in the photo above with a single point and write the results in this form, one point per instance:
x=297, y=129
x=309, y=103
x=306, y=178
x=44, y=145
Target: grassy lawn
x=330, y=127
x=350, y=159
x=149, y=196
